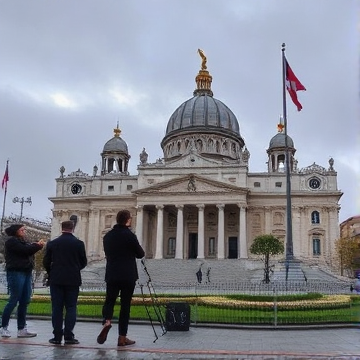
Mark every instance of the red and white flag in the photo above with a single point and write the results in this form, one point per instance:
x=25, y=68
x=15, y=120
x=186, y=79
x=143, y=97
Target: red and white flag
x=6, y=177
x=293, y=85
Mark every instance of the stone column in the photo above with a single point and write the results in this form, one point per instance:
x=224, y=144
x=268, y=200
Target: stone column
x=221, y=232
x=333, y=234
x=267, y=220
x=179, y=250
x=242, y=233
x=159, y=232
x=201, y=240
x=139, y=223
x=94, y=235
x=84, y=220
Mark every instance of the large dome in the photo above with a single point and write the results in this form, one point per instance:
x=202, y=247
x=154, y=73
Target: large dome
x=204, y=125
x=203, y=111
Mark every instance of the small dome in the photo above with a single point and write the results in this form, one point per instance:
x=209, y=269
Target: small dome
x=116, y=144
x=278, y=141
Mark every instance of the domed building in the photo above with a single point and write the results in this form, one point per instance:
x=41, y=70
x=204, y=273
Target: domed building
x=201, y=200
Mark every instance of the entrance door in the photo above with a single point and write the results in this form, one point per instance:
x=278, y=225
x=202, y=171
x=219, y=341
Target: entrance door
x=233, y=247
x=193, y=245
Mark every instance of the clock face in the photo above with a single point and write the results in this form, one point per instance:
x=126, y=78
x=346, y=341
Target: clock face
x=76, y=188
x=314, y=183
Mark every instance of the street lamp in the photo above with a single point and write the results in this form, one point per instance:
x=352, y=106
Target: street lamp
x=22, y=201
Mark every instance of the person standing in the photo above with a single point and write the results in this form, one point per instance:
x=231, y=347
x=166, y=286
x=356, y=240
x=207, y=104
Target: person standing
x=19, y=259
x=64, y=257
x=121, y=248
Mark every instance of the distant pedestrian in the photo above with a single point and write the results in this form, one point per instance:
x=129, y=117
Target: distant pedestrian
x=356, y=285
x=64, y=257
x=19, y=259
x=121, y=248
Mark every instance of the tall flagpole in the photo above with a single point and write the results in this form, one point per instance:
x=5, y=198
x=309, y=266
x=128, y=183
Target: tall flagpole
x=289, y=243
x=3, y=212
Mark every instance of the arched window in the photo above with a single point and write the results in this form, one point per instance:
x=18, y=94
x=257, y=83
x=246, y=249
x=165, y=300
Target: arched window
x=315, y=217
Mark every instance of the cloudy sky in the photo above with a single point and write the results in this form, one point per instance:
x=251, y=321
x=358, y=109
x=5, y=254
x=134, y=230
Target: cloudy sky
x=69, y=70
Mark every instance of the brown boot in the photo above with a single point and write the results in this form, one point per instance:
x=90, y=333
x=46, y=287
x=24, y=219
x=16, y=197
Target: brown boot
x=124, y=341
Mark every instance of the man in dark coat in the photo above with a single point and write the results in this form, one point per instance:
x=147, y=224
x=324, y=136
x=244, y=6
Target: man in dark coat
x=65, y=256
x=121, y=248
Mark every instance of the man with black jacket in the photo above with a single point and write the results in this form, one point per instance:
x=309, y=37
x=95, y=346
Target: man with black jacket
x=121, y=248
x=64, y=257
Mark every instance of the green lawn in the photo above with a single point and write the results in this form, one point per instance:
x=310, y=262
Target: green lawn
x=201, y=313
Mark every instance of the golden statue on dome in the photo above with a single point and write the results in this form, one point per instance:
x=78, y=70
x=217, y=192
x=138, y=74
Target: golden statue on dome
x=203, y=57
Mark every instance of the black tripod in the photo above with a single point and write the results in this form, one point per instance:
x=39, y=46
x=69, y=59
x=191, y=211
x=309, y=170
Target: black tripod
x=154, y=303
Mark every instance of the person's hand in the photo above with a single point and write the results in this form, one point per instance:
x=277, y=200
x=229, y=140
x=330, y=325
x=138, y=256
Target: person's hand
x=41, y=242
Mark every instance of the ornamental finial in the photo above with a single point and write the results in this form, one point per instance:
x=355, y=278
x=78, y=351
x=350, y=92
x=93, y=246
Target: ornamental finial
x=117, y=131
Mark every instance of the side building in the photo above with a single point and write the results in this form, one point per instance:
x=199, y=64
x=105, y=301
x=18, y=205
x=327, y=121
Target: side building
x=200, y=200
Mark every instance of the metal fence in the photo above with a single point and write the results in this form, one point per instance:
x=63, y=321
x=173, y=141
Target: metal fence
x=224, y=303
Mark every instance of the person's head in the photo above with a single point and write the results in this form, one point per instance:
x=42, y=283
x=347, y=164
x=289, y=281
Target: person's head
x=123, y=218
x=17, y=230
x=67, y=226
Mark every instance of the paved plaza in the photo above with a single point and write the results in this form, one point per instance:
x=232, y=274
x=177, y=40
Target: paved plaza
x=197, y=343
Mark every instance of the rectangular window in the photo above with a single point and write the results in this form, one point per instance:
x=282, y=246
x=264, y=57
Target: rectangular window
x=111, y=188
x=129, y=187
x=316, y=247
x=257, y=184
x=278, y=184
x=212, y=246
x=171, y=246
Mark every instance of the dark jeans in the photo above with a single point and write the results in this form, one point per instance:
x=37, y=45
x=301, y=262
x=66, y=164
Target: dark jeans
x=64, y=296
x=126, y=290
x=19, y=285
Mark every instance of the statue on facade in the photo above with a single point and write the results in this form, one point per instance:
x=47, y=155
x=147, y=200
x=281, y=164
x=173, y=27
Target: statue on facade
x=246, y=155
x=95, y=170
x=295, y=164
x=204, y=60
x=143, y=157
x=191, y=184
x=62, y=170
x=331, y=163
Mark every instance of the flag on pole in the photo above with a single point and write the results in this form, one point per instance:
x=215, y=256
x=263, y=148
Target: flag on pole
x=6, y=176
x=293, y=85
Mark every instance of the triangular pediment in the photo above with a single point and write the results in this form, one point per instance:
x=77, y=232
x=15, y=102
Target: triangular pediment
x=191, y=184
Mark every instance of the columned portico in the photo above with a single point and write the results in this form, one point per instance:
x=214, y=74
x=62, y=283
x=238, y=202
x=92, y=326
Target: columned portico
x=201, y=239
x=221, y=230
x=179, y=252
x=159, y=232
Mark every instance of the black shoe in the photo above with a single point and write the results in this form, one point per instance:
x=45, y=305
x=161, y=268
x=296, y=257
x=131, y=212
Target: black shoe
x=55, y=341
x=71, y=341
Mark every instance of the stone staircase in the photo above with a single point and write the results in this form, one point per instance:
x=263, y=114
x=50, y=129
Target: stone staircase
x=182, y=273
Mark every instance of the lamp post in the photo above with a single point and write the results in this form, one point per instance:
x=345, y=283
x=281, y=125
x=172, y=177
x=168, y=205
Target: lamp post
x=22, y=200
